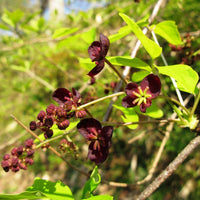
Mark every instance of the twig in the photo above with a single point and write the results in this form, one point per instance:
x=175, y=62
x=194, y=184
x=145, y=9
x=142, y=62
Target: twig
x=159, y=153
x=50, y=147
x=170, y=168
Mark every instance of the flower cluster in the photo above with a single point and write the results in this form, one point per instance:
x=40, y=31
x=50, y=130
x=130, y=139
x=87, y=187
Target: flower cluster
x=59, y=115
x=99, y=137
x=142, y=95
x=19, y=158
x=67, y=146
x=97, y=52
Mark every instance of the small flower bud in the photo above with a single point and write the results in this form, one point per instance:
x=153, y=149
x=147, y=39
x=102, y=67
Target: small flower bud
x=19, y=150
x=5, y=165
x=30, y=152
x=41, y=115
x=22, y=166
x=51, y=109
x=6, y=157
x=29, y=161
x=81, y=114
x=15, y=162
x=48, y=133
x=29, y=143
x=15, y=169
x=14, y=151
x=63, y=125
x=33, y=125
x=48, y=121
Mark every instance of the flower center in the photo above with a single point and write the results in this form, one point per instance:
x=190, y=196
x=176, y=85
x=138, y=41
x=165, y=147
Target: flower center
x=141, y=96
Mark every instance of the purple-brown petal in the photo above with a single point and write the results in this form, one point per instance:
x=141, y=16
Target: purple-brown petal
x=127, y=102
x=96, y=69
x=85, y=126
x=107, y=132
x=94, y=51
x=144, y=106
x=60, y=95
x=97, y=156
x=130, y=88
x=105, y=43
x=153, y=82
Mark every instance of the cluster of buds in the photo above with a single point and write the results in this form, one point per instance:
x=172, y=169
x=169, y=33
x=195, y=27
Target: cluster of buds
x=110, y=87
x=185, y=53
x=19, y=158
x=67, y=146
x=59, y=115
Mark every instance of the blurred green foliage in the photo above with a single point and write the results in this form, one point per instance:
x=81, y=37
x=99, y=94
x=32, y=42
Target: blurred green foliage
x=38, y=55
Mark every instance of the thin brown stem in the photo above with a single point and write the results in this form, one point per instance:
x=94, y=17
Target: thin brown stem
x=167, y=172
x=116, y=71
x=50, y=147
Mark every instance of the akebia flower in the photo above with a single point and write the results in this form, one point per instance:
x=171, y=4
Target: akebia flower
x=142, y=95
x=99, y=137
x=97, y=52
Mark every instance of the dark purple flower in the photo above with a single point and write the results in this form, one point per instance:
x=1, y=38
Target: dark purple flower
x=97, y=52
x=99, y=137
x=142, y=95
x=61, y=95
x=29, y=143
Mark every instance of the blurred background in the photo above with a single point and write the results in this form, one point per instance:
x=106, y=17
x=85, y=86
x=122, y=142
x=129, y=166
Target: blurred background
x=41, y=43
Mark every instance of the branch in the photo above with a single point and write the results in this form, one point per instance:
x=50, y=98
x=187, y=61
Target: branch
x=170, y=168
x=50, y=147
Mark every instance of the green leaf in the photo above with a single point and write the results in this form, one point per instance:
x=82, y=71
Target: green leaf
x=53, y=190
x=151, y=47
x=23, y=195
x=89, y=36
x=139, y=76
x=63, y=32
x=92, y=183
x=196, y=53
x=185, y=76
x=4, y=27
x=153, y=111
x=12, y=18
x=168, y=30
x=128, y=61
x=122, y=32
x=130, y=116
x=100, y=197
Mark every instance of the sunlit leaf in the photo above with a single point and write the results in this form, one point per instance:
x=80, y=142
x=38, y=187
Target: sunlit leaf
x=129, y=116
x=169, y=31
x=53, y=190
x=185, y=76
x=151, y=47
x=100, y=197
x=63, y=32
x=139, y=76
x=92, y=183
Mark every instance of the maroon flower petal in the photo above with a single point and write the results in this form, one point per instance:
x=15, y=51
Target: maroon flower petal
x=94, y=51
x=60, y=95
x=107, y=132
x=86, y=126
x=76, y=95
x=144, y=106
x=96, y=69
x=128, y=102
x=105, y=43
x=98, y=156
x=153, y=82
x=130, y=88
